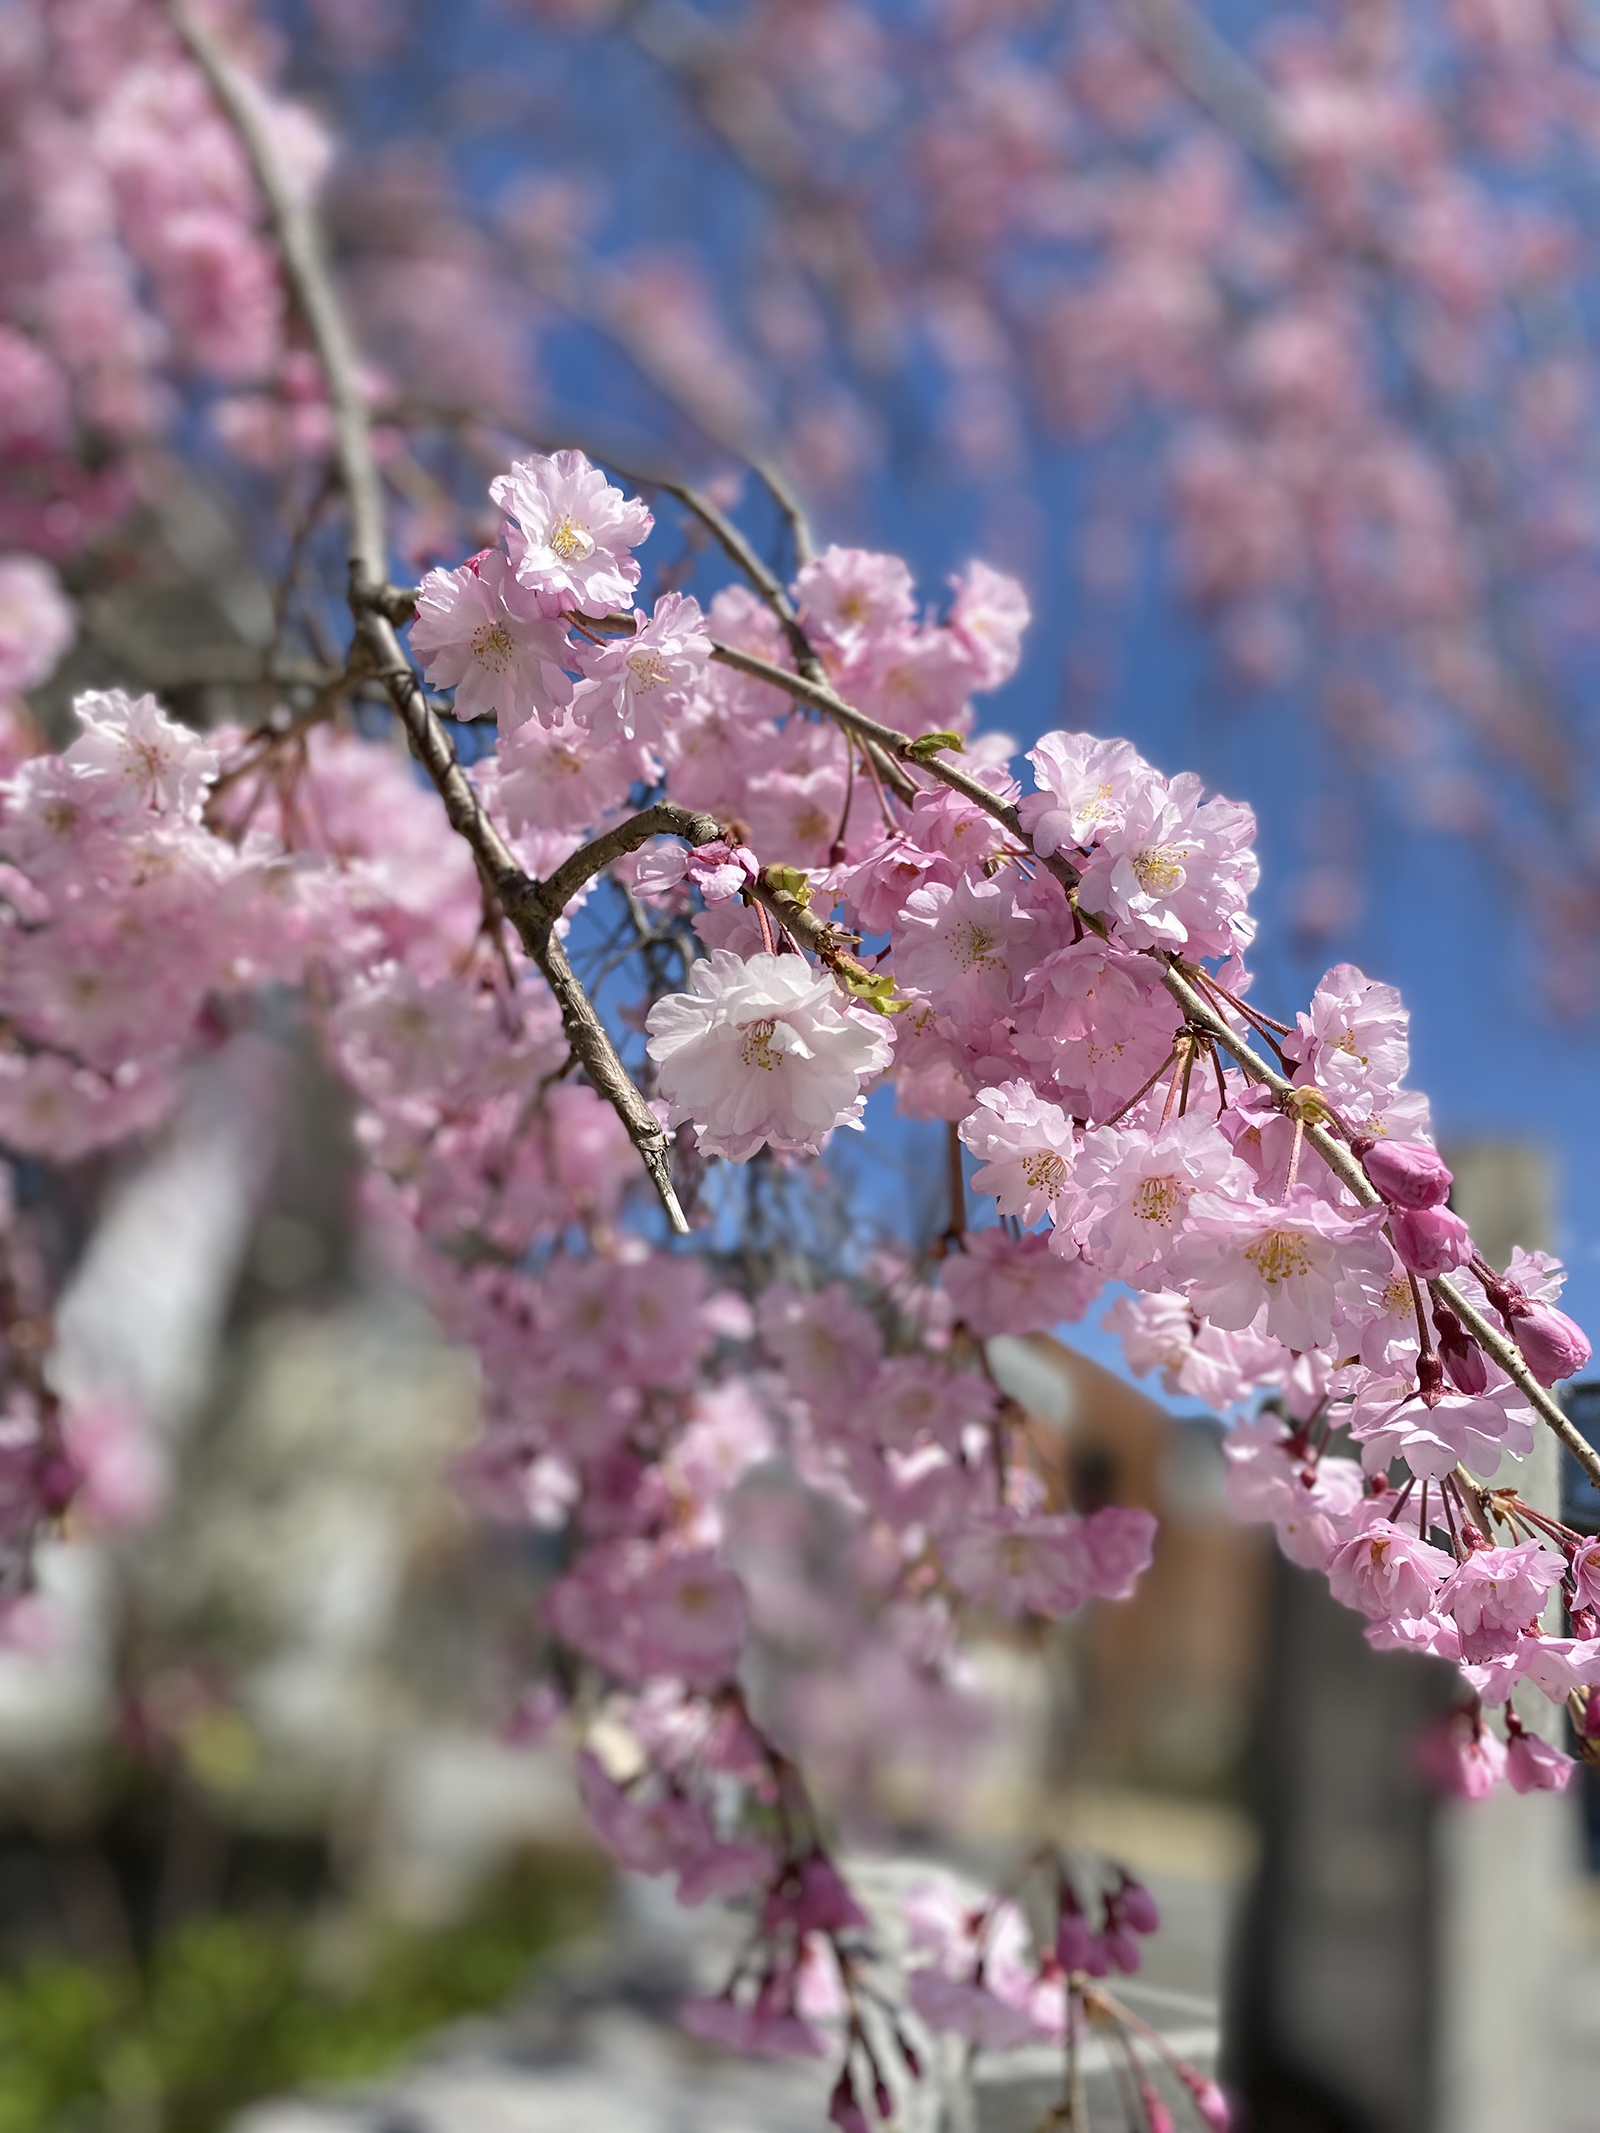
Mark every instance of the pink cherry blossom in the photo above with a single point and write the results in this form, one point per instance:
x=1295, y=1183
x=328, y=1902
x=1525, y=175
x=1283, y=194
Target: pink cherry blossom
x=1383, y=1572
x=1288, y=1268
x=1137, y=1187
x=37, y=623
x=1496, y=1594
x=136, y=752
x=964, y=942
x=1586, y=1573
x=1000, y=1284
x=474, y=636
x=760, y=1053
x=1174, y=871
x=1083, y=782
x=1096, y=1023
x=639, y=1612
x=1352, y=1042
x=633, y=685
x=1389, y=1421
x=852, y=599
x=1026, y=1149
x=989, y=615
x=571, y=534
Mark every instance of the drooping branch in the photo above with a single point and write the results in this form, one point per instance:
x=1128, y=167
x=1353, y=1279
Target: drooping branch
x=374, y=605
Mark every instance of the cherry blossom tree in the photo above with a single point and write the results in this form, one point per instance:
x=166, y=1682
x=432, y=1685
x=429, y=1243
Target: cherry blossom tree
x=773, y=812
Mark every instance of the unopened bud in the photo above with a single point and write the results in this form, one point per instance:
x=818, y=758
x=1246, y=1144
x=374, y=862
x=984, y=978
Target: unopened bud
x=844, y=2108
x=1122, y=1949
x=1430, y=1240
x=1430, y=1379
x=1075, y=1943
x=1407, y=1173
x=1139, y=1908
x=1462, y=1357
x=1467, y=1368
x=1553, y=1347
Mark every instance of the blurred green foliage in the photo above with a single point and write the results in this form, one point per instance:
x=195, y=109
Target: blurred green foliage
x=227, y=2009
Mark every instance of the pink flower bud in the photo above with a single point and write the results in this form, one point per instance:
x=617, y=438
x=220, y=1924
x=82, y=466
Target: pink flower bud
x=1138, y=1907
x=1553, y=1347
x=1156, y=2115
x=844, y=2109
x=1075, y=1943
x=1430, y=1240
x=1122, y=1949
x=1464, y=1363
x=1591, y=1715
x=1586, y=1573
x=1407, y=1173
x=1210, y=2103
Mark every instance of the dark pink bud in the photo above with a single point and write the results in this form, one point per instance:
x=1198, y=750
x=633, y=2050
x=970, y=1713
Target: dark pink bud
x=1075, y=1944
x=1139, y=1908
x=1461, y=1356
x=1430, y=1240
x=1591, y=1715
x=1096, y=1961
x=1553, y=1347
x=844, y=2110
x=1467, y=1368
x=60, y=1478
x=1407, y=1173
x=1122, y=1949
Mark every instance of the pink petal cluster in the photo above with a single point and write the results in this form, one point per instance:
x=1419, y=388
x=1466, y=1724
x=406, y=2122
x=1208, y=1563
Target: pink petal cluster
x=759, y=1053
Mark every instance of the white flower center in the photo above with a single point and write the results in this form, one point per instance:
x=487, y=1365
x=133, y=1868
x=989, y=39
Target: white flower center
x=756, y=1050
x=1159, y=867
x=574, y=544
x=648, y=669
x=971, y=946
x=1157, y=1199
x=1279, y=1256
x=492, y=647
x=1397, y=1294
x=1044, y=1171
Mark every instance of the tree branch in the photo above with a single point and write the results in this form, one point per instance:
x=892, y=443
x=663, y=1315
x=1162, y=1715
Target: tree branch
x=663, y=820
x=899, y=747
x=373, y=604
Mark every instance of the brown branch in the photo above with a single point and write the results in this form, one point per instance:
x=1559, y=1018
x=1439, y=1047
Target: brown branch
x=1349, y=1172
x=663, y=820
x=374, y=604
x=899, y=747
x=1205, y=65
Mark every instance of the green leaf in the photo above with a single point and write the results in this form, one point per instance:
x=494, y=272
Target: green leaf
x=788, y=881
x=928, y=745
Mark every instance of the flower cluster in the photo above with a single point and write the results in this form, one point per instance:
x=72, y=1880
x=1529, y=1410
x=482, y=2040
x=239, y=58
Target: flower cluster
x=1057, y=976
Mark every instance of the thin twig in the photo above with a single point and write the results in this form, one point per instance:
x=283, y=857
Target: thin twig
x=375, y=606
x=900, y=747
